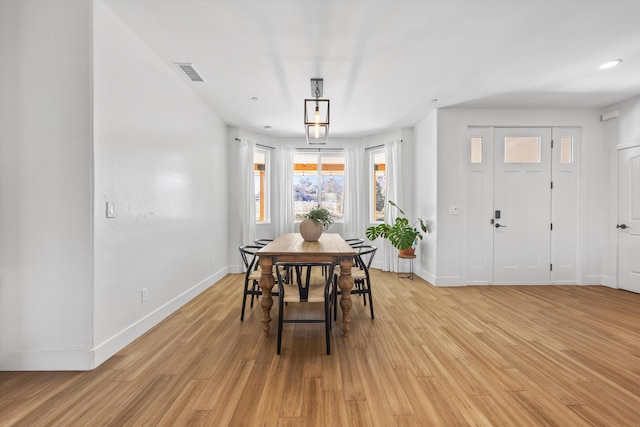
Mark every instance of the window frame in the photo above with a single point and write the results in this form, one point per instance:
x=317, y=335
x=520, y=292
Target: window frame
x=319, y=176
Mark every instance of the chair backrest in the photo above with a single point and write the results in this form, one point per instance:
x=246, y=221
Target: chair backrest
x=262, y=242
x=303, y=279
x=249, y=257
x=354, y=242
x=365, y=254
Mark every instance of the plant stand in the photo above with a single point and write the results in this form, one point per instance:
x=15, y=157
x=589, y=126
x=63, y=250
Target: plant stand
x=405, y=275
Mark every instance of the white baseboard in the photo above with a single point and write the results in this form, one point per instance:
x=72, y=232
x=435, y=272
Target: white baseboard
x=116, y=343
x=449, y=281
x=84, y=360
x=47, y=360
x=603, y=280
x=235, y=269
x=424, y=275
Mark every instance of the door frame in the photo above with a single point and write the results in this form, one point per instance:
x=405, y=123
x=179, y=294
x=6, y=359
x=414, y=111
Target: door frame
x=478, y=251
x=618, y=270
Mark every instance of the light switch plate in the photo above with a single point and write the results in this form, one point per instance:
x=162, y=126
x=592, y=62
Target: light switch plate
x=111, y=210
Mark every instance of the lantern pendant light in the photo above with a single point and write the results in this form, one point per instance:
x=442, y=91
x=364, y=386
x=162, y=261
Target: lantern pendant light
x=316, y=115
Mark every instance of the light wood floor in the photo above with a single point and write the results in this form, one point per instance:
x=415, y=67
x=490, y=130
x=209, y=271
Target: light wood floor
x=502, y=356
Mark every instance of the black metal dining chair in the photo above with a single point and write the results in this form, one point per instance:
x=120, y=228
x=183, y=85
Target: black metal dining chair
x=307, y=288
x=252, y=276
x=354, y=242
x=262, y=242
x=361, y=278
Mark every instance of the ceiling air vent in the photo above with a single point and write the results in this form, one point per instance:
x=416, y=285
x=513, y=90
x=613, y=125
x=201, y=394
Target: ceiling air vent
x=190, y=72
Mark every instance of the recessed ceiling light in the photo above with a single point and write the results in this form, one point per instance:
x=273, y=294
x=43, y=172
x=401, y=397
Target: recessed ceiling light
x=610, y=64
x=254, y=98
x=434, y=100
x=267, y=128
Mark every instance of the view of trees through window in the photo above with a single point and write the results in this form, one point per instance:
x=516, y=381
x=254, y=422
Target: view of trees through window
x=260, y=184
x=379, y=185
x=318, y=179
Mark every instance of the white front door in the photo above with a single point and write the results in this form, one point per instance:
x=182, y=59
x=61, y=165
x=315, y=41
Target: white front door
x=522, y=206
x=629, y=219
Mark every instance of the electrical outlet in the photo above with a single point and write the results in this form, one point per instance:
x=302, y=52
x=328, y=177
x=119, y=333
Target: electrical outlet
x=453, y=210
x=144, y=294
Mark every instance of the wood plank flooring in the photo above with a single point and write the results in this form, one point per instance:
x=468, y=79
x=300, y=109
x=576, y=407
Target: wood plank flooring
x=478, y=356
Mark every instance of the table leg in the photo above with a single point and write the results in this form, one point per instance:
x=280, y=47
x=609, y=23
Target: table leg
x=345, y=281
x=266, y=284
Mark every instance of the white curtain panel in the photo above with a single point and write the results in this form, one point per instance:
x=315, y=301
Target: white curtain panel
x=394, y=189
x=248, y=208
x=354, y=194
x=285, y=222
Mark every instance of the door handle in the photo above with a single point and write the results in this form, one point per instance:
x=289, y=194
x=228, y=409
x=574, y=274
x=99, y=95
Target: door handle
x=623, y=226
x=500, y=225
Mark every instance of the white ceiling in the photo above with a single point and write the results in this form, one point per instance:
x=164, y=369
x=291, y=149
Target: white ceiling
x=383, y=62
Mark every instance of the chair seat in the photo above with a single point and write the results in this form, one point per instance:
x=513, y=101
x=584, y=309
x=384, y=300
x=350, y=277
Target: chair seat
x=316, y=293
x=255, y=274
x=358, y=275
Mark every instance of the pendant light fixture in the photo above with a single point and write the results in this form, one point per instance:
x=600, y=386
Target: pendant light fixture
x=316, y=115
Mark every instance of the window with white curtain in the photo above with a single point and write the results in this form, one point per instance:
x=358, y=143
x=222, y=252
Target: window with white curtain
x=261, y=184
x=318, y=178
x=378, y=184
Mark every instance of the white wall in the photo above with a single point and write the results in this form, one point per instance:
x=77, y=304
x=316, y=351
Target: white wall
x=629, y=120
x=70, y=279
x=425, y=157
x=161, y=157
x=46, y=237
x=452, y=137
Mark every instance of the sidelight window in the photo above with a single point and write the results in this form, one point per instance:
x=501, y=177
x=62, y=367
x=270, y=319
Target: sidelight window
x=566, y=149
x=476, y=150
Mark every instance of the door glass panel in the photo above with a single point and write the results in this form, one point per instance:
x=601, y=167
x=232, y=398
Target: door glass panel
x=566, y=149
x=522, y=149
x=476, y=150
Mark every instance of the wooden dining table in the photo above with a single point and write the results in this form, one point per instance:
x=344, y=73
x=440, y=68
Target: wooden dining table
x=291, y=247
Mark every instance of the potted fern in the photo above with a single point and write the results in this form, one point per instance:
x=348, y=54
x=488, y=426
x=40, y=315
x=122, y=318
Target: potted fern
x=401, y=234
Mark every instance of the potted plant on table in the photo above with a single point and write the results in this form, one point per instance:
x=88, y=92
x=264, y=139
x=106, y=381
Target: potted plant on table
x=316, y=221
x=402, y=235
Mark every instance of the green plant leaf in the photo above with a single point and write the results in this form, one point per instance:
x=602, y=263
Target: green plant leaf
x=321, y=215
x=401, y=235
